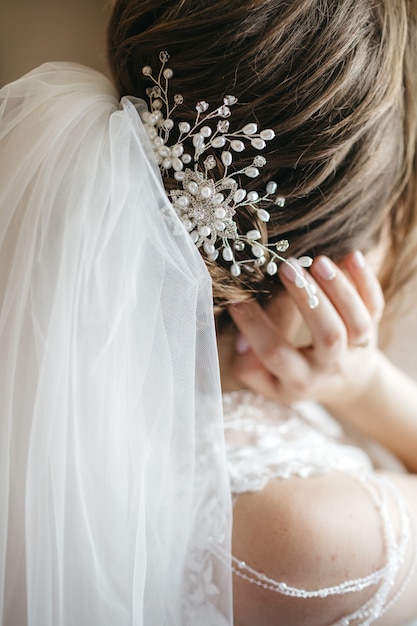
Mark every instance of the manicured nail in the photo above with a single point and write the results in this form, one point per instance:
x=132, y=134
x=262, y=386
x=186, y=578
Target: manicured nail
x=359, y=259
x=242, y=345
x=289, y=270
x=325, y=268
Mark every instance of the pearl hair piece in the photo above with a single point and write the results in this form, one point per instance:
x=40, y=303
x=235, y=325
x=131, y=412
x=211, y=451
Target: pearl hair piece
x=205, y=205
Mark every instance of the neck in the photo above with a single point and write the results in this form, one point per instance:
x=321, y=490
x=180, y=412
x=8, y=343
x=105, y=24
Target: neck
x=226, y=350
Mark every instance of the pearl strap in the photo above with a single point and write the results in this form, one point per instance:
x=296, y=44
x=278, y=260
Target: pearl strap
x=379, y=489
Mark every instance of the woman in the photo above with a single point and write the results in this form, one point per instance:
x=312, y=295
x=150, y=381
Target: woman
x=116, y=510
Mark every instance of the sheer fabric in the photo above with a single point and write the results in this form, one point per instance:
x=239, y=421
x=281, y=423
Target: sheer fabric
x=109, y=388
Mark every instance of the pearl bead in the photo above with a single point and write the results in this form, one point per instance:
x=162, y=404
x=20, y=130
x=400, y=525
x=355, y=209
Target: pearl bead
x=267, y=134
x=239, y=195
x=164, y=151
x=218, y=142
x=206, y=131
x=179, y=176
x=147, y=70
x=157, y=103
x=227, y=254
x=209, y=248
x=198, y=140
x=272, y=268
x=186, y=158
x=258, y=144
x=253, y=235
x=168, y=73
x=257, y=250
x=305, y=261
x=177, y=164
x=177, y=150
x=168, y=124
x=237, y=145
x=263, y=215
x=184, y=127
x=205, y=192
x=183, y=202
x=253, y=196
x=205, y=231
x=167, y=163
x=227, y=158
x=252, y=172
x=219, y=225
x=271, y=187
x=214, y=256
x=313, y=302
x=235, y=270
x=218, y=198
x=220, y=213
x=250, y=129
x=192, y=188
x=194, y=236
x=158, y=141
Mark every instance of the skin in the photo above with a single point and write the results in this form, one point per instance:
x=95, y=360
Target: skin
x=323, y=529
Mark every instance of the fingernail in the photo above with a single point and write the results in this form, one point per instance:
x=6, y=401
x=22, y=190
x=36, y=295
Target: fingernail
x=241, y=345
x=359, y=259
x=289, y=269
x=325, y=268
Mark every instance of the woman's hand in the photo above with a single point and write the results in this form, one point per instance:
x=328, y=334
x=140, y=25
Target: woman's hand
x=339, y=364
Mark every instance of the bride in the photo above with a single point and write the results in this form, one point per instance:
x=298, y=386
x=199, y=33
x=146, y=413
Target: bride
x=135, y=425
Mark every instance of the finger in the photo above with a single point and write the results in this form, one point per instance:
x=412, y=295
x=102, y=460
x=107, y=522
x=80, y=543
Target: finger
x=328, y=331
x=273, y=351
x=366, y=282
x=345, y=298
x=251, y=372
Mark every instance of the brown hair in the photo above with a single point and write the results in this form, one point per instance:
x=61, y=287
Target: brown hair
x=334, y=79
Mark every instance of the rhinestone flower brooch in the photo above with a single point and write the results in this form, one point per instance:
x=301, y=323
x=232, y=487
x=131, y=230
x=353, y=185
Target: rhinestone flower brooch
x=205, y=205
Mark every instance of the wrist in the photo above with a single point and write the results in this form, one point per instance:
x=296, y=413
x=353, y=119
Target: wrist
x=363, y=392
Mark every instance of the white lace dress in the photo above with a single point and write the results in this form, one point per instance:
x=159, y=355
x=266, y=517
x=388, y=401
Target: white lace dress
x=267, y=440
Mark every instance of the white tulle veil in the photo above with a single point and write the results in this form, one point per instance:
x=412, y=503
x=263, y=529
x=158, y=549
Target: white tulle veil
x=112, y=468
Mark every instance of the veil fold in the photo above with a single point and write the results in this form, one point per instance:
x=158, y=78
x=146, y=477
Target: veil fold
x=112, y=469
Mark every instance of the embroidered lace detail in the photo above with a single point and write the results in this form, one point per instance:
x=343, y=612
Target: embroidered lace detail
x=267, y=440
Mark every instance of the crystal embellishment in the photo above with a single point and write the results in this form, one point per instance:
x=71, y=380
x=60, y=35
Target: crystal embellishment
x=206, y=205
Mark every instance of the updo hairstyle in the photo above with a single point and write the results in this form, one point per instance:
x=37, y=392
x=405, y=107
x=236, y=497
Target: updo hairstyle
x=336, y=81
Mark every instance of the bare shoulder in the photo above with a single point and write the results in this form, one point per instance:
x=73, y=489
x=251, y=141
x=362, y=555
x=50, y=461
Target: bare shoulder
x=312, y=534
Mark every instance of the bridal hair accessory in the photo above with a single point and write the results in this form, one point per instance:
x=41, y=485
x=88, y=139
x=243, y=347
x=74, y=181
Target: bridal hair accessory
x=205, y=205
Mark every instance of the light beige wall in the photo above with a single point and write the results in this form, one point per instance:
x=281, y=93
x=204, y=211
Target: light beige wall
x=35, y=31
